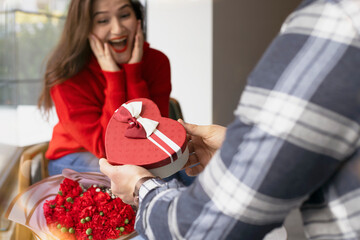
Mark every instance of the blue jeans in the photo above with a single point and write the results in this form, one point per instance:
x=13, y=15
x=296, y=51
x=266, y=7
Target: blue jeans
x=182, y=177
x=80, y=162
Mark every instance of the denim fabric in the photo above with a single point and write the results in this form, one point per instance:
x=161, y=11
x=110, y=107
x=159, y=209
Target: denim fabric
x=80, y=162
x=182, y=177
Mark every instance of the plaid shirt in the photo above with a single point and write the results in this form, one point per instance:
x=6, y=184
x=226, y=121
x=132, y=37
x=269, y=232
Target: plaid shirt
x=293, y=143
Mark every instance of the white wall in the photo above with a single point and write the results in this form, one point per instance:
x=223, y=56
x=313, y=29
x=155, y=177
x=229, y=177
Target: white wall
x=182, y=29
x=242, y=30
x=213, y=45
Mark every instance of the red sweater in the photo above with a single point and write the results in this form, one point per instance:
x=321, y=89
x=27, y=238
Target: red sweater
x=86, y=102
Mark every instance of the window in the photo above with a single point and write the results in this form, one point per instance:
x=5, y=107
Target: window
x=28, y=31
x=27, y=35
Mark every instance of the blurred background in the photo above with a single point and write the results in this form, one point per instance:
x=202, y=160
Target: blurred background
x=28, y=31
x=212, y=45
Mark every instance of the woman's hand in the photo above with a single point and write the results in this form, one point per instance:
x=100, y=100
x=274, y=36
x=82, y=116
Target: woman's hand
x=203, y=143
x=103, y=54
x=137, y=52
x=123, y=179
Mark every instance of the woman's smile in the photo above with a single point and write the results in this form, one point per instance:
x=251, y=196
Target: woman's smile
x=119, y=44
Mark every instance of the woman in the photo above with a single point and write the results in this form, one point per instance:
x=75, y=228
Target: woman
x=100, y=62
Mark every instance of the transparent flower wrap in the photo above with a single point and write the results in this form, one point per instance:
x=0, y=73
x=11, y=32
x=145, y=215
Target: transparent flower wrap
x=27, y=207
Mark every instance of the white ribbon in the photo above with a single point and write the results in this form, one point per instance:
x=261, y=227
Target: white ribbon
x=135, y=109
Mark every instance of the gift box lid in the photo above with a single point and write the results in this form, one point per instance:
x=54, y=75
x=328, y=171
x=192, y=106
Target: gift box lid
x=137, y=134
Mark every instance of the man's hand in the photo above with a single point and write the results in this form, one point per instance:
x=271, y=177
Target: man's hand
x=204, y=141
x=123, y=178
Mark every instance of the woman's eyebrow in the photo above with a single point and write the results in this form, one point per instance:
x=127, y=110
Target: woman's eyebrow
x=103, y=12
x=124, y=6
x=100, y=12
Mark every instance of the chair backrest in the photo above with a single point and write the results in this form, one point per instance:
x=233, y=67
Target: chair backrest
x=175, y=109
x=32, y=158
x=32, y=164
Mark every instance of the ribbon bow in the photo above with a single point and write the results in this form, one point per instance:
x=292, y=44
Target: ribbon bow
x=139, y=127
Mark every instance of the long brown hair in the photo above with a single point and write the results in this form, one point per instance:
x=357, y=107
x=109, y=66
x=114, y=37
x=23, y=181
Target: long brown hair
x=73, y=50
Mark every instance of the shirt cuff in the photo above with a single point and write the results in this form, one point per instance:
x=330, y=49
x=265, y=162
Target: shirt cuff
x=149, y=185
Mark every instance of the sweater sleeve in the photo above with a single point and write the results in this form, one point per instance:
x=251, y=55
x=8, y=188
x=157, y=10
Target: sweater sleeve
x=84, y=107
x=150, y=79
x=115, y=94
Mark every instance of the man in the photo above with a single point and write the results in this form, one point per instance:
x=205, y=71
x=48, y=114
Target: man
x=293, y=143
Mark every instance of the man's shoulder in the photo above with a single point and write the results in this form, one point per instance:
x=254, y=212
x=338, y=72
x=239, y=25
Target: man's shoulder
x=334, y=20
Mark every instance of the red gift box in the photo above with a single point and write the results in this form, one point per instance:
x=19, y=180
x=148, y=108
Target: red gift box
x=138, y=135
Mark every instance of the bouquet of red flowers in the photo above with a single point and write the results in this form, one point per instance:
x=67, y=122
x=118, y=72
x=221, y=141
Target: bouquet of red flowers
x=81, y=214
x=81, y=208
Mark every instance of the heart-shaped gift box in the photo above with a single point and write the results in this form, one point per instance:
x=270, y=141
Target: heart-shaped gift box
x=137, y=134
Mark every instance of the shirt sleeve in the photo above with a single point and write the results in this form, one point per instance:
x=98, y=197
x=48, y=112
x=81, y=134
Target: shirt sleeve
x=295, y=125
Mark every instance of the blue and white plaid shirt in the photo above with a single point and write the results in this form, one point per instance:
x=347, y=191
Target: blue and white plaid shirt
x=293, y=143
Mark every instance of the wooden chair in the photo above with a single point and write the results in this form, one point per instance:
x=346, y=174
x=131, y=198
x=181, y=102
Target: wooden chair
x=32, y=168
x=175, y=109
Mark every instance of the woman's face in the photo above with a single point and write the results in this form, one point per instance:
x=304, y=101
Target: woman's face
x=115, y=23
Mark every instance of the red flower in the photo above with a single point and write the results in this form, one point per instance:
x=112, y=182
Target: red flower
x=70, y=188
x=74, y=214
